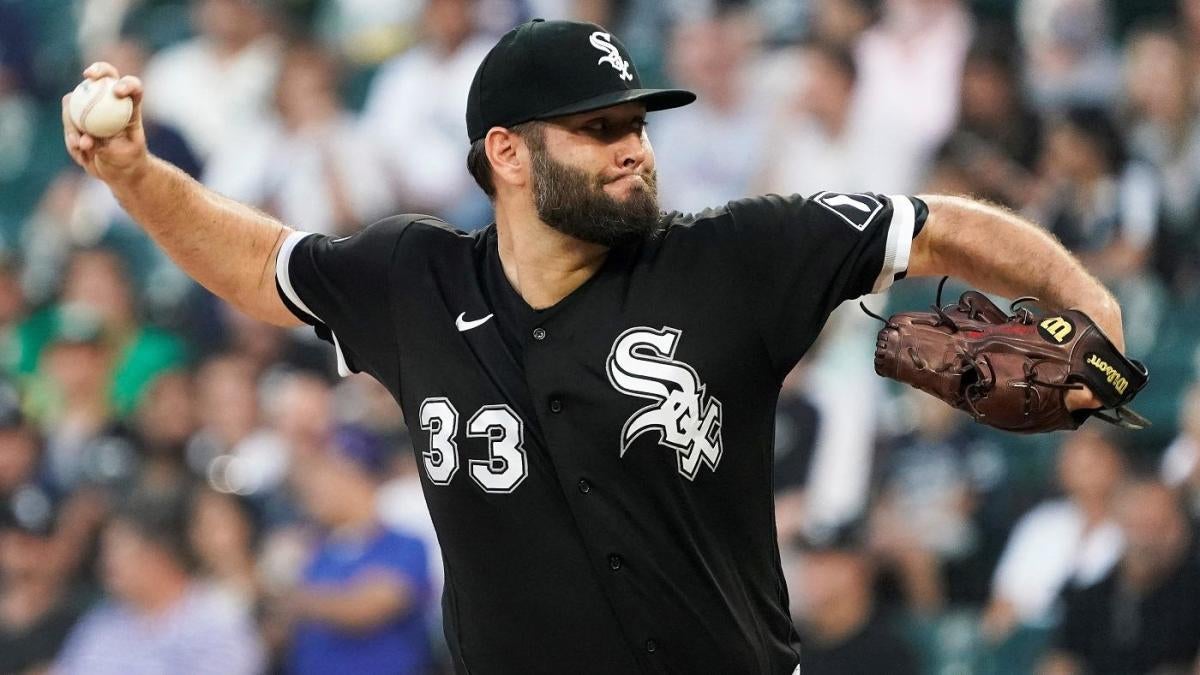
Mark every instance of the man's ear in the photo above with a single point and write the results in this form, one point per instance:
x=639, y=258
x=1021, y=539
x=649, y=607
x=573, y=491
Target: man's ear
x=508, y=157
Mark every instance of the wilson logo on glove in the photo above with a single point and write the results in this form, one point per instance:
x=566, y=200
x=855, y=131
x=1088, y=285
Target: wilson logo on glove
x=1111, y=375
x=1056, y=328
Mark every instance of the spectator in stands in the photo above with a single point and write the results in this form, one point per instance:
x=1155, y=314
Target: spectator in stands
x=934, y=523
x=80, y=212
x=1181, y=460
x=297, y=416
x=1144, y=615
x=86, y=444
x=266, y=346
x=363, y=601
x=300, y=409
x=13, y=310
x=28, y=162
x=367, y=33
x=818, y=143
x=158, y=619
x=834, y=606
x=1070, y=60
x=16, y=48
x=164, y=421
x=220, y=80
x=414, y=113
x=841, y=22
x=1100, y=204
x=914, y=53
x=1062, y=543
x=226, y=408
x=998, y=139
x=311, y=165
x=19, y=448
x=693, y=176
x=1189, y=14
x=1164, y=130
x=66, y=521
x=223, y=533
x=402, y=508
x=97, y=283
x=38, y=604
x=797, y=424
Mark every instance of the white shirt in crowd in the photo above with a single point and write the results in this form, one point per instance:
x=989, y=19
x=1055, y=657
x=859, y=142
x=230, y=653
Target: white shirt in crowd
x=1048, y=550
x=698, y=169
x=291, y=174
x=206, y=97
x=202, y=633
x=909, y=77
x=415, y=111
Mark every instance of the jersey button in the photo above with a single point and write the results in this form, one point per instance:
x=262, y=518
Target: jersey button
x=584, y=486
x=614, y=562
x=556, y=405
x=539, y=333
x=651, y=646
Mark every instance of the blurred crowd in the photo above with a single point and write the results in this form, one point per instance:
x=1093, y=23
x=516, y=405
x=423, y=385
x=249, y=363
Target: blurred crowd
x=183, y=489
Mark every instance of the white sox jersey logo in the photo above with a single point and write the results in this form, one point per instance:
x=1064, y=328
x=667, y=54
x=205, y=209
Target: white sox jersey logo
x=642, y=363
x=856, y=209
x=600, y=40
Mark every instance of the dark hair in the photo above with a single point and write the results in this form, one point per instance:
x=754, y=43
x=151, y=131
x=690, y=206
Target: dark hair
x=160, y=519
x=481, y=168
x=993, y=46
x=839, y=56
x=1098, y=127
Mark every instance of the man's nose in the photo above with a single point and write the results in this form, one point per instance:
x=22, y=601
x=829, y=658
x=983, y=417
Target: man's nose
x=631, y=151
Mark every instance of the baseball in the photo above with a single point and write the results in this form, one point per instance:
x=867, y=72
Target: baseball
x=97, y=111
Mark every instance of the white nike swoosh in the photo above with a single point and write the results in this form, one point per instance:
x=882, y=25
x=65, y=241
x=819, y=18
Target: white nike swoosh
x=464, y=326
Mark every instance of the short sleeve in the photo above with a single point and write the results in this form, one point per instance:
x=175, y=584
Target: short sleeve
x=805, y=256
x=342, y=287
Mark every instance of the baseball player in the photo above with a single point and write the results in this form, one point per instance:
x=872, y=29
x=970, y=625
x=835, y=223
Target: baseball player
x=591, y=383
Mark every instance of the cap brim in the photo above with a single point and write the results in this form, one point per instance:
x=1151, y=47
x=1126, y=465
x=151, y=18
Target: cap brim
x=655, y=99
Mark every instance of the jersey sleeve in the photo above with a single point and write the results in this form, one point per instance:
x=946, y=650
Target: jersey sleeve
x=804, y=256
x=342, y=287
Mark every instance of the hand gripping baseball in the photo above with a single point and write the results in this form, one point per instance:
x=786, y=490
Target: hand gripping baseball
x=1013, y=372
x=118, y=158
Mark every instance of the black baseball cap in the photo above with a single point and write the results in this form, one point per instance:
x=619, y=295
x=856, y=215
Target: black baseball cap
x=543, y=69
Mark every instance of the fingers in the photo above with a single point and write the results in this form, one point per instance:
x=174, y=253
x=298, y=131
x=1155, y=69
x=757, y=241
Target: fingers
x=129, y=86
x=71, y=135
x=100, y=69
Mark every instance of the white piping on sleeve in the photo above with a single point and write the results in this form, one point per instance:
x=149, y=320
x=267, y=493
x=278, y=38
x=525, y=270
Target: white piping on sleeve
x=284, y=277
x=899, y=242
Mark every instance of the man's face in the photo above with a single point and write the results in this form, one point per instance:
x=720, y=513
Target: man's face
x=593, y=175
x=124, y=556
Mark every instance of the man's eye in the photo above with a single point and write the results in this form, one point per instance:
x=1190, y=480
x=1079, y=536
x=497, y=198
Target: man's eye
x=598, y=125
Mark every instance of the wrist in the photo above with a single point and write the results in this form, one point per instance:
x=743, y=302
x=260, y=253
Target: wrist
x=130, y=179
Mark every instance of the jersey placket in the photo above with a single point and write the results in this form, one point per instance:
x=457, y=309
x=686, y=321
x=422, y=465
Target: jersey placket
x=550, y=357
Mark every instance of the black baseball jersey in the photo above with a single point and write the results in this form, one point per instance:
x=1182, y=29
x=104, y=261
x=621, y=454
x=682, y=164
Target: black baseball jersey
x=599, y=472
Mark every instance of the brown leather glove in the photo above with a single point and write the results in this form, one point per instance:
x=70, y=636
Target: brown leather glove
x=1011, y=372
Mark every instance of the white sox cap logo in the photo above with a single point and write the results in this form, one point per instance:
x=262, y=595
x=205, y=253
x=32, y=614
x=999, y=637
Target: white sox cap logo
x=642, y=364
x=601, y=41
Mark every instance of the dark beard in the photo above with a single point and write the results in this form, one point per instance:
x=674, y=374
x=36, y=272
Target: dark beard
x=575, y=203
